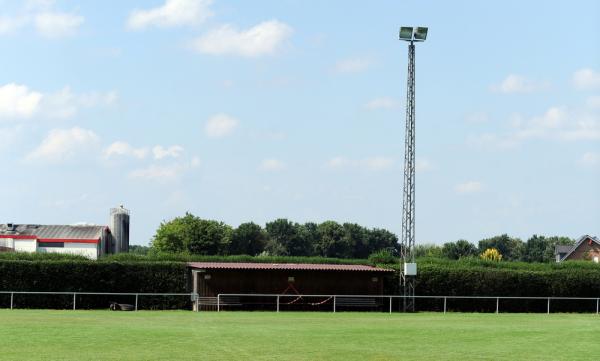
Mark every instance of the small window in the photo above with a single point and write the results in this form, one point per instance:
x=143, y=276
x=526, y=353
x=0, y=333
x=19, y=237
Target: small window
x=51, y=244
x=291, y=279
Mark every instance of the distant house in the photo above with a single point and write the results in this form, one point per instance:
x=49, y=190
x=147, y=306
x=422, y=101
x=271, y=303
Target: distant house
x=586, y=248
x=90, y=241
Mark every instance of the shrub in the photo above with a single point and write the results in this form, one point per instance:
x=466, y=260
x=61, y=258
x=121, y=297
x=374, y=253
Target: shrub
x=382, y=257
x=491, y=254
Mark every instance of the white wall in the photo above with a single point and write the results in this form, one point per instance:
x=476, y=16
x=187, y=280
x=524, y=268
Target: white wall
x=25, y=245
x=7, y=243
x=89, y=250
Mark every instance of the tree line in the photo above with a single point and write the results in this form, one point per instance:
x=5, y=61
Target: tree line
x=535, y=249
x=281, y=237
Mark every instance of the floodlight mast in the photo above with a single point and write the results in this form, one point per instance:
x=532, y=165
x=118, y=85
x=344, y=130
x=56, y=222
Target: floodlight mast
x=408, y=266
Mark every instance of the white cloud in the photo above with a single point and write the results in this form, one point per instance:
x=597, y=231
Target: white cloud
x=220, y=125
x=262, y=39
x=423, y=165
x=376, y=163
x=382, y=103
x=57, y=24
x=590, y=159
x=66, y=104
x=64, y=144
x=47, y=21
x=477, y=117
x=161, y=152
x=354, y=65
x=518, y=84
x=272, y=165
x=586, y=79
x=160, y=173
x=593, y=101
x=172, y=13
x=124, y=149
x=469, y=187
x=17, y=101
x=10, y=24
x=164, y=173
x=557, y=123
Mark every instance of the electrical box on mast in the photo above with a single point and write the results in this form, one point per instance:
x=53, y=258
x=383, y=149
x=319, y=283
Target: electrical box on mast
x=410, y=269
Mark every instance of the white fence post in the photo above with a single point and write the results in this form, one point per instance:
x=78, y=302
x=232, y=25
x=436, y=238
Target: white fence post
x=219, y=303
x=390, y=305
x=136, y=301
x=12, y=294
x=497, y=304
x=334, y=304
x=74, y=300
x=548, y=312
x=444, y=305
x=597, y=304
x=277, y=303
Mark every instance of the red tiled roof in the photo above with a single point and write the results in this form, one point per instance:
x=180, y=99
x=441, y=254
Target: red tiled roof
x=287, y=266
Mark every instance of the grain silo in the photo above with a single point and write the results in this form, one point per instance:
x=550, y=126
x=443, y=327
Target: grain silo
x=119, y=228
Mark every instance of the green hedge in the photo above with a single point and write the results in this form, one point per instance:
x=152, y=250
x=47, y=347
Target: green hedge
x=436, y=278
x=472, y=278
x=89, y=276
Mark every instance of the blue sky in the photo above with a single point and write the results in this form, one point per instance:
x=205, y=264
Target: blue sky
x=249, y=111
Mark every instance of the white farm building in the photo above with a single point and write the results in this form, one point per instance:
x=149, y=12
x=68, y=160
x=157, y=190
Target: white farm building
x=90, y=241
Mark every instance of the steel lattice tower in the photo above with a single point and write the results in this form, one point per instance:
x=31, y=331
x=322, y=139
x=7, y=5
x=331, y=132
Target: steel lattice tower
x=408, y=204
x=408, y=274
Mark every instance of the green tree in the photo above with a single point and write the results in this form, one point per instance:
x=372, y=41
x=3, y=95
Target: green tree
x=428, y=250
x=379, y=239
x=248, y=238
x=535, y=247
x=332, y=242
x=551, y=243
x=459, y=249
x=192, y=234
x=287, y=238
x=511, y=249
x=209, y=237
x=174, y=235
x=356, y=237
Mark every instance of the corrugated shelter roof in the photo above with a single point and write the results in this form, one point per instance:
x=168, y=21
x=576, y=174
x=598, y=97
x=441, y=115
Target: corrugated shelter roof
x=286, y=266
x=54, y=231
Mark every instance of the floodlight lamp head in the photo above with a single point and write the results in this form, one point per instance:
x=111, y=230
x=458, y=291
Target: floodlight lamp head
x=408, y=33
x=420, y=34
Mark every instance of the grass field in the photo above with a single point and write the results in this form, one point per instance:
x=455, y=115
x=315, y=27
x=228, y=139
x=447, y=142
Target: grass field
x=181, y=335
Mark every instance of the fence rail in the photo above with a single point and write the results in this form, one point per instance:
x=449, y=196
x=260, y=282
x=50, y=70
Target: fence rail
x=337, y=301
x=75, y=294
x=323, y=302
